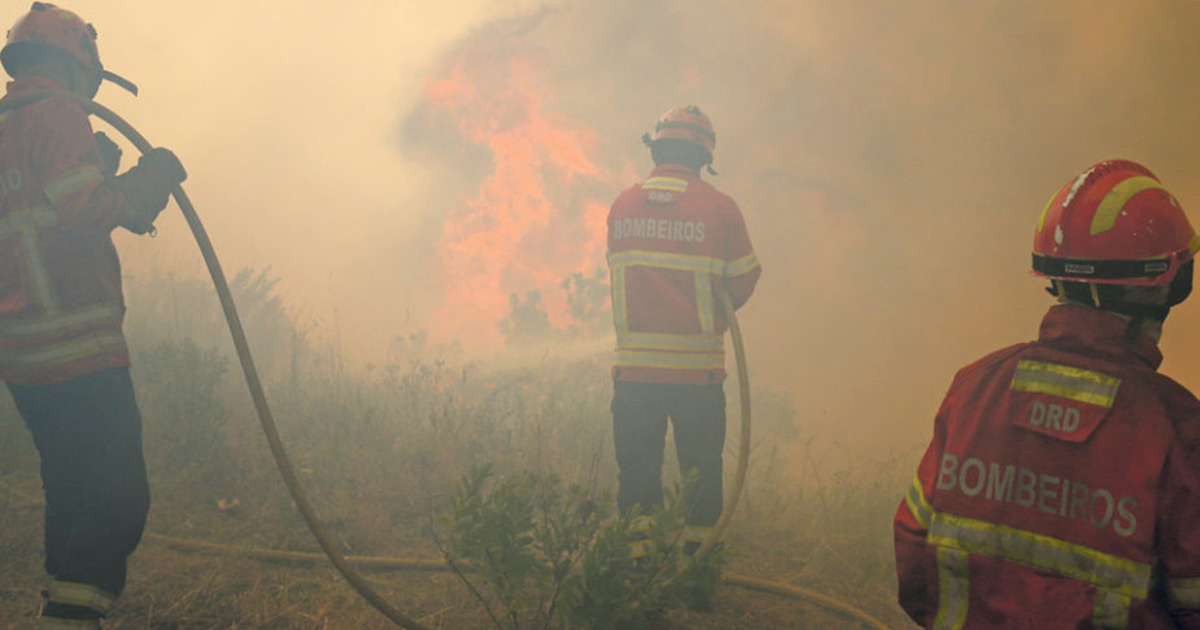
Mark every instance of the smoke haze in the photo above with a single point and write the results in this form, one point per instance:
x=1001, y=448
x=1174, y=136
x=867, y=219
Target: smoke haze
x=405, y=167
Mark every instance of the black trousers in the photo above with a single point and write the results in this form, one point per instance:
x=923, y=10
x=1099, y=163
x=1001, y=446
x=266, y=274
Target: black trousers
x=697, y=415
x=88, y=432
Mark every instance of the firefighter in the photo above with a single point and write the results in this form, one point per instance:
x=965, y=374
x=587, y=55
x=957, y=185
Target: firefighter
x=1061, y=488
x=62, y=353
x=673, y=242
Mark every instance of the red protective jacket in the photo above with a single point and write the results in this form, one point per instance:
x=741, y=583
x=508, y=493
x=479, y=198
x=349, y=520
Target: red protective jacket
x=60, y=281
x=1061, y=489
x=670, y=237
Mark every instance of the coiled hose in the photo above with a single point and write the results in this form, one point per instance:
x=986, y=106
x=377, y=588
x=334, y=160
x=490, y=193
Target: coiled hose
x=283, y=462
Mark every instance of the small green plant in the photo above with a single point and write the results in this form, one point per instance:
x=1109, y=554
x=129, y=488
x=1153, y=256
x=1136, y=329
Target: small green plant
x=617, y=588
x=549, y=558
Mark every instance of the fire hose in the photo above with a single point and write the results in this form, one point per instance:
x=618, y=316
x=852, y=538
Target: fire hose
x=743, y=462
x=287, y=471
x=243, y=351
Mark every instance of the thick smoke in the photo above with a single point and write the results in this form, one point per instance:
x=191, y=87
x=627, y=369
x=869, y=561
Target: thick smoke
x=890, y=158
x=890, y=161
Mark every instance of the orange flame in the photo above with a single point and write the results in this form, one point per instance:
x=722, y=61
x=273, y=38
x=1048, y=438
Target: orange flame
x=530, y=224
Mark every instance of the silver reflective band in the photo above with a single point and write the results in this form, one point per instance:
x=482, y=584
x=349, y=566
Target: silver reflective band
x=71, y=181
x=17, y=329
x=741, y=265
x=665, y=341
x=696, y=361
x=28, y=219
x=672, y=184
x=51, y=623
x=1066, y=381
x=83, y=595
x=1184, y=592
x=1110, y=610
x=682, y=262
x=954, y=589
x=96, y=343
x=918, y=505
x=1122, y=576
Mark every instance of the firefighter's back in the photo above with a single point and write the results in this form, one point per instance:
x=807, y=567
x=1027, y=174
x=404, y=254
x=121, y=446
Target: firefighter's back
x=1058, y=476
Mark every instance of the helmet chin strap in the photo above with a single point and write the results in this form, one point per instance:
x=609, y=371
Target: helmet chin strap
x=1136, y=310
x=128, y=85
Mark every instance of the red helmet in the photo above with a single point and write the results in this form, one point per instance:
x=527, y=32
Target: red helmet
x=49, y=28
x=686, y=123
x=1114, y=224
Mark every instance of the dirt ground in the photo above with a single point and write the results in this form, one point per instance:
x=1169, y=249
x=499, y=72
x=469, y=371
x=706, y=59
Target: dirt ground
x=170, y=589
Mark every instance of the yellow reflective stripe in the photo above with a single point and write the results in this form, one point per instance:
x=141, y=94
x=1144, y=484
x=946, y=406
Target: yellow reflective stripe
x=52, y=623
x=954, y=589
x=742, y=265
x=1194, y=243
x=620, y=303
x=84, y=595
x=26, y=224
x=671, y=360
x=1110, y=610
x=96, y=343
x=641, y=525
x=1042, y=552
x=640, y=548
x=1066, y=381
x=696, y=533
x=31, y=328
x=72, y=181
x=681, y=262
x=27, y=219
x=673, y=184
x=39, y=277
x=1184, y=592
x=1112, y=204
x=1041, y=224
x=918, y=505
x=664, y=341
x=704, y=303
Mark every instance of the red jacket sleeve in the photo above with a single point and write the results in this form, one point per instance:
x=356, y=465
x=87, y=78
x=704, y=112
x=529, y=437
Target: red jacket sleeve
x=741, y=263
x=1179, y=535
x=916, y=561
x=67, y=165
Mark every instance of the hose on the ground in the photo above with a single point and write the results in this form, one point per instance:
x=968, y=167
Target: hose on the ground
x=378, y=563
x=243, y=351
x=266, y=418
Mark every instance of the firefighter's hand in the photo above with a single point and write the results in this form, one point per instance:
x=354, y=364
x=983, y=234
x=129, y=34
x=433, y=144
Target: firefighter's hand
x=163, y=166
x=147, y=188
x=110, y=153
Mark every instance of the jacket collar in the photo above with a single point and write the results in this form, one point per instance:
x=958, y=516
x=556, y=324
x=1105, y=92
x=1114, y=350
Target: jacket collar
x=30, y=84
x=678, y=170
x=1097, y=333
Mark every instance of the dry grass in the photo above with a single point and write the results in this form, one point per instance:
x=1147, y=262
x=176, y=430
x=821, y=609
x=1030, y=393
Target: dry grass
x=379, y=451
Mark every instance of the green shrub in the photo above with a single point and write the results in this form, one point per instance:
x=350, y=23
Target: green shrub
x=545, y=557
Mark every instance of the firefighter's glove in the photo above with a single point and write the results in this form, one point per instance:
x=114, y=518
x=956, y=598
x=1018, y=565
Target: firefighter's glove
x=147, y=188
x=110, y=154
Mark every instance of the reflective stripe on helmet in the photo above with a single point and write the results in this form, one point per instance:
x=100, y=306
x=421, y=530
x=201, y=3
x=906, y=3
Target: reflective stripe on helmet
x=1114, y=223
x=1114, y=202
